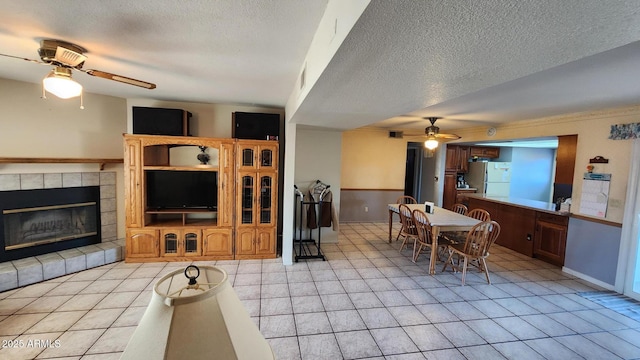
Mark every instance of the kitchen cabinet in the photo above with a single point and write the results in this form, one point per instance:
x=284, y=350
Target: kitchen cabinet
x=484, y=152
x=457, y=158
x=449, y=193
x=550, y=237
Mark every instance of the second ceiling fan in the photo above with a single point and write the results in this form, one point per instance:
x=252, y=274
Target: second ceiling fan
x=433, y=134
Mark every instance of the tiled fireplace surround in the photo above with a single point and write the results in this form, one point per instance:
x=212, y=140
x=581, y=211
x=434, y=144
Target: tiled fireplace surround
x=31, y=270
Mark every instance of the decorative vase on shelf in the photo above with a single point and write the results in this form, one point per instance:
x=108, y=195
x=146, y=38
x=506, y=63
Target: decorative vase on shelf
x=203, y=157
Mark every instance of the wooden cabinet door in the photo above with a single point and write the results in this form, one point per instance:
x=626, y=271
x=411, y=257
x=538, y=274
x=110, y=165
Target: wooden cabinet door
x=550, y=242
x=247, y=156
x=245, y=241
x=217, y=242
x=451, y=160
x=266, y=242
x=463, y=159
x=191, y=244
x=142, y=243
x=268, y=157
x=449, y=194
x=246, y=202
x=267, y=199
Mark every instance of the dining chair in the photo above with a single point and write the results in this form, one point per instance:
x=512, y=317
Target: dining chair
x=405, y=199
x=479, y=214
x=455, y=237
x=408, y=230
x=424, y=236
x=475, y=249
x=459, y=208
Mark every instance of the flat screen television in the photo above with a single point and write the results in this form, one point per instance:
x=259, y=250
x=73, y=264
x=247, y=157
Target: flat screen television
x=182, y=189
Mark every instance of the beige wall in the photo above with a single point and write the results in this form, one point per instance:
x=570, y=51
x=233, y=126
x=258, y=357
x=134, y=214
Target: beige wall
x=318, y=154
x=371, y=160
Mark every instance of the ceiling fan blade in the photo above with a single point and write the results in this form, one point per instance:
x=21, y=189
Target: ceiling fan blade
x=122, y=79
x=448, y=136
x=23, y=58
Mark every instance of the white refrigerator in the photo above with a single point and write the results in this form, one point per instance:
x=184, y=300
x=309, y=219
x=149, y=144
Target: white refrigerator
x=490, y=178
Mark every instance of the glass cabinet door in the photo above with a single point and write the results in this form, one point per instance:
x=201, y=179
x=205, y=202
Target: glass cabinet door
x=247, y=157
x=266, y=183
x=247, y=199
x=266, y=158
x=190, y=242
x=170, y=243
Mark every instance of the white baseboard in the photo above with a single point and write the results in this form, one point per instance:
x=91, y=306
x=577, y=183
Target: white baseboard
x=582, y=276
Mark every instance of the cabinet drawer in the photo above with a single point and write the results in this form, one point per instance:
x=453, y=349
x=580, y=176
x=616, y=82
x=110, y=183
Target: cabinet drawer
x=551, y=218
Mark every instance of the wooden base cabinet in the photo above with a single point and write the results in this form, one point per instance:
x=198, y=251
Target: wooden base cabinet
x=142, y=243
x=551, y=238
x=218, y=243
x=254, y=243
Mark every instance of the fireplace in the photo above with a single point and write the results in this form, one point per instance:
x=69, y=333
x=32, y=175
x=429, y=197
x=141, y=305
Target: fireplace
x=40, y=221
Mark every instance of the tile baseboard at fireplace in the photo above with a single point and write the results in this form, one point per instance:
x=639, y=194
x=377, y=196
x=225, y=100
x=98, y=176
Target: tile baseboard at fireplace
x=18, y=273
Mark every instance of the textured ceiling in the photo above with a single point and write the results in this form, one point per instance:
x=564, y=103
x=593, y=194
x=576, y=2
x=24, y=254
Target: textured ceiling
x=230, y=51
x=471, y=62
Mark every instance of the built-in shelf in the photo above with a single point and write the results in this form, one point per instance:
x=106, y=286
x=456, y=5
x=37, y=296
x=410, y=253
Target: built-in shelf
x=26, y=160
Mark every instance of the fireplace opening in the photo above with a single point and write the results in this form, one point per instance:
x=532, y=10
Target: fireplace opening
x=36, y=222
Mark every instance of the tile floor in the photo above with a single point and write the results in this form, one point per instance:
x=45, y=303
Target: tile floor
x=368, y=301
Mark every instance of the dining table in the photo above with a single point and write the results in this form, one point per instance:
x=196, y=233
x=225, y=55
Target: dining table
x=440, y=220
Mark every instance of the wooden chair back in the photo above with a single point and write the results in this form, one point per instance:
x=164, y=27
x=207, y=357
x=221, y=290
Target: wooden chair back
x=460, y=208
x=406, y=200
x=479, y=214
x=408, y=227
x=480, y=238
x=423, y=227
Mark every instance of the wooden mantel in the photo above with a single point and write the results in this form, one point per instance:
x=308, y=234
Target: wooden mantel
x=26, y=160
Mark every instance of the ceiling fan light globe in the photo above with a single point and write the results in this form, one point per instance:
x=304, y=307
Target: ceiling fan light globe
x=62, y=87
x=431, y=144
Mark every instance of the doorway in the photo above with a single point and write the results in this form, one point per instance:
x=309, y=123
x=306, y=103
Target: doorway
x=420, y=173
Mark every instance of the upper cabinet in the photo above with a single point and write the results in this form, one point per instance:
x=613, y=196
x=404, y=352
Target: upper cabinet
x=566, y=159
x=484, y=152
x=457, y=158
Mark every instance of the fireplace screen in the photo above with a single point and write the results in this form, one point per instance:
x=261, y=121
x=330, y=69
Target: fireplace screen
x=47, y=224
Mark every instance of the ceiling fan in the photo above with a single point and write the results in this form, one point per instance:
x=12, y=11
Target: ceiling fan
x=433, y=134
x=65, y=57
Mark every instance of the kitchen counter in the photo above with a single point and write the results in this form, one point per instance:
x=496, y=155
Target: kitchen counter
x=463, y=188
x=523, y=203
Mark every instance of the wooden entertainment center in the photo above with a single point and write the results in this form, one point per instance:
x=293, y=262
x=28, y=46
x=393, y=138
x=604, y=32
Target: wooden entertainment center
x=241, y=222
